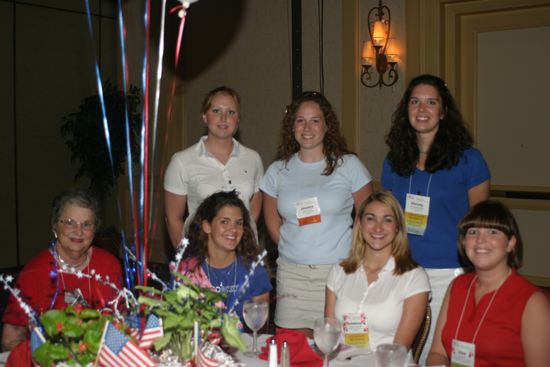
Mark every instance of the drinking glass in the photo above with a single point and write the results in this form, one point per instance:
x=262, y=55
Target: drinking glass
x=255, y=316
x=326, y=332
x=391, y=355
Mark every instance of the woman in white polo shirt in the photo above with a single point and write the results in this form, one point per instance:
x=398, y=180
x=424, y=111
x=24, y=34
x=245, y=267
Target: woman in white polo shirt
x=218, y=162
x=309, y=195
x=378, y=292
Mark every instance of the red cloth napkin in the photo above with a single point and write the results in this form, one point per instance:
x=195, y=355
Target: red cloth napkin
x=301, y=354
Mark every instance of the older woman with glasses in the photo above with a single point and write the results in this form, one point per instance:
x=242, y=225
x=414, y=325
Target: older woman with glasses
x=49, y=280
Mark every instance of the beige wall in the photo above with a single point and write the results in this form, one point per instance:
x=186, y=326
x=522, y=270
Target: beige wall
x=256, y=61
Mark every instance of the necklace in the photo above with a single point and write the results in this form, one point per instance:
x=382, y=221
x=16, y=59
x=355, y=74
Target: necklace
x=221, y=275
x=71, y=267
x=69, y=297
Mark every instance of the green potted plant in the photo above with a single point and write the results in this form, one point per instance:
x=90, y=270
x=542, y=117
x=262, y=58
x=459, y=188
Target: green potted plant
x=85, y=136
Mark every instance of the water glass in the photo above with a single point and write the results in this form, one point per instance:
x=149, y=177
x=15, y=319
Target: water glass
x=255, y=315
x=391, y=355
x=326, y=332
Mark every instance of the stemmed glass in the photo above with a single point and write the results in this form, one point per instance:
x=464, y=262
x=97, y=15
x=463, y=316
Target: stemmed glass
x=326, y=332
x=255, y=316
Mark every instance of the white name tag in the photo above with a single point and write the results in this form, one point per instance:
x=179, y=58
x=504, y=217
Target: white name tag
x=417, y=209
x=308, y=211
x=356, y=330
x=463, y=354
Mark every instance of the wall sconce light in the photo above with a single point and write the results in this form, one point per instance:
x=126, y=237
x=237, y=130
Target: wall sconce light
x=377, y=52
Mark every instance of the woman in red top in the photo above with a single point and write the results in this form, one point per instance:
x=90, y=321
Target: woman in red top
x=492, y=316
x=42, y=284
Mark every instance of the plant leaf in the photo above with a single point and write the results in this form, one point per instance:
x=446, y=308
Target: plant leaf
x=51, y=320
x=163, y=341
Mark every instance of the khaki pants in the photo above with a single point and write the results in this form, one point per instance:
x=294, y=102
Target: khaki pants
x=300, y=294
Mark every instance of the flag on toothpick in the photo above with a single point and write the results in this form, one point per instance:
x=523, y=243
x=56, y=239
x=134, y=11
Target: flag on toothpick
x=37, y=339
x=118, y=351
x=153, y=330
x=201, y=360
x=204, y=361
x=134, y=323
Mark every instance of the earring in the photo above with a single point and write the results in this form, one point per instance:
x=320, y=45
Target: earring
x=55, y=234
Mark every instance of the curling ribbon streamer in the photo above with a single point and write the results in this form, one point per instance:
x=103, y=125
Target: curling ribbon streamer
x=140, y=250
x=102, y=104
x=128, y=274
x=182, y=11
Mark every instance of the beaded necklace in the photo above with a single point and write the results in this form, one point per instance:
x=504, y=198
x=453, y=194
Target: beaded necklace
x=220, y=288
x=75, y=296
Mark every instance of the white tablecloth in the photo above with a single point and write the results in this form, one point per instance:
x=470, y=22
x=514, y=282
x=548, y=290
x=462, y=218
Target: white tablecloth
x=340, y=358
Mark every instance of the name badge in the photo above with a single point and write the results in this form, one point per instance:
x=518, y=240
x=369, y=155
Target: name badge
x=308, y=211
x=356, y=330
x=463, y=354
x=75, y=297
x=417, y=209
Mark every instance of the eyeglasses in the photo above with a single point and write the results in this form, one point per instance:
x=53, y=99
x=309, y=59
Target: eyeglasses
x=73, y=224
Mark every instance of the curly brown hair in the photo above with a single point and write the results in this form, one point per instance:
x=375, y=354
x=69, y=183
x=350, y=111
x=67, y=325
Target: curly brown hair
x=450, y=142
x=334, y=144
x=247, y=249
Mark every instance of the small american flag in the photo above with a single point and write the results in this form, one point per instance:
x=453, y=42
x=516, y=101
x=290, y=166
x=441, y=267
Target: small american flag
x=37, y=339
x=153, y=330
x=203, y=361
x=118, y=351
x=134, y=324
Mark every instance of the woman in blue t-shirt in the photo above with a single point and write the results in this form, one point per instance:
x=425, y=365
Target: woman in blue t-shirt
x=436, y=175
x=309, y=194
x=224, y=246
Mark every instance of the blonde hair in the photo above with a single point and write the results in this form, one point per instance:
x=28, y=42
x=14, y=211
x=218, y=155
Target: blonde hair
x=400, y=245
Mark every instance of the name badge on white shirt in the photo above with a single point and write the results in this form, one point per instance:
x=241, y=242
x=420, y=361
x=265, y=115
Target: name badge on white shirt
x=417, y=209
x=463, y=354
x=356, y=330
x=308, y=211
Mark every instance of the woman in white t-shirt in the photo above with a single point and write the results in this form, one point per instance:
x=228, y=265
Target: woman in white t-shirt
x=379, y=292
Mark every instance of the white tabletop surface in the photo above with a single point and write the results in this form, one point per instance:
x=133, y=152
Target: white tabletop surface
x=340, y=358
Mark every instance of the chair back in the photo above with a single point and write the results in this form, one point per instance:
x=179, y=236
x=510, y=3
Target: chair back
x=420, y=338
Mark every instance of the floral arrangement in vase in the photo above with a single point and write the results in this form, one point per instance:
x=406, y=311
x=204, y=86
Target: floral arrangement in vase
x=180, y=307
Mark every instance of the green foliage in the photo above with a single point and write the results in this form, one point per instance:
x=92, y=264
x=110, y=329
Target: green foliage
x=73, y=336
x=180, y=307
x=85, y=135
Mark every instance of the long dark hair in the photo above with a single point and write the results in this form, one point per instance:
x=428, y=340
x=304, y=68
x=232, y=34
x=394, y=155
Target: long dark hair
x=334, y=144
x=450, y=142
x=207, y=210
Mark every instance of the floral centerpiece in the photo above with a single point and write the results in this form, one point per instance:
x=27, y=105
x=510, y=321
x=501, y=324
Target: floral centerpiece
x=180, y=307
x=73, y=335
